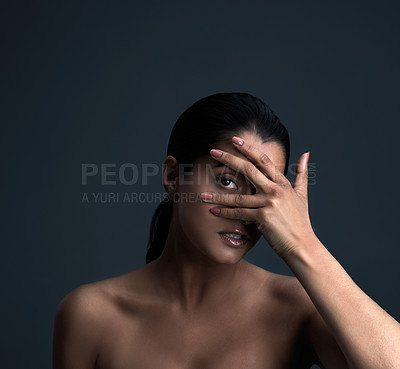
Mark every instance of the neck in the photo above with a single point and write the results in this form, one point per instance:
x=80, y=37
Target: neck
x=188, y=276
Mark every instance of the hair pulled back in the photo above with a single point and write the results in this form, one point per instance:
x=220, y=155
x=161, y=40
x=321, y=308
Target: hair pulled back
x=209, y=120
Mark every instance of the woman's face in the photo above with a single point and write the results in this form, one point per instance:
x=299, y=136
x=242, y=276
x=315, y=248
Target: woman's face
x=200, y=230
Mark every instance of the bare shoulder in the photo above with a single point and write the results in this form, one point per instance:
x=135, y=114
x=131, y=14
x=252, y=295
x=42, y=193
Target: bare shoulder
x=77, y=328
x=285, y=291
x=286, y=310
x=84, y=309
x=98, y=299
x=81, y=319
x=289, y=291
x=315, y=339
x=83, y=301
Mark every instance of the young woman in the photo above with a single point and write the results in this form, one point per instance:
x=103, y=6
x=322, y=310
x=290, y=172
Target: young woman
x=197, y=304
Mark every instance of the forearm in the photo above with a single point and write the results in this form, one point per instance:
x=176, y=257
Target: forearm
x=367, y=335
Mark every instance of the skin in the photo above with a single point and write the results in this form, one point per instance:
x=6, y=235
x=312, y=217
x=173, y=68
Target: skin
x=201, y=305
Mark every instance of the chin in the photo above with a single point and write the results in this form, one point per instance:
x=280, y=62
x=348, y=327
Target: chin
x=231, y=261
x=222, y=253
x=227, y=256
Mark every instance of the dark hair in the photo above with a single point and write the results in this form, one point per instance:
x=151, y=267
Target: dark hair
x=209, y=120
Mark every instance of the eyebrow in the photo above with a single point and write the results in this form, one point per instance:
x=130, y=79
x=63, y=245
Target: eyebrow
x=219, y=165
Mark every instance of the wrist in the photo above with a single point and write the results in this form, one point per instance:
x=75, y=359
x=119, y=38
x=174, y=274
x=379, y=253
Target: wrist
x=304, y=253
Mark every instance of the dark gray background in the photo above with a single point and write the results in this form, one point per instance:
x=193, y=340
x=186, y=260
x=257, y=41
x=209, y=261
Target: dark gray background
x=104, y=82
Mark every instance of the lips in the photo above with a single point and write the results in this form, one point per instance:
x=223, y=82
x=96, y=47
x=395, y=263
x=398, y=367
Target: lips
x=236, y=233
x=233, y=239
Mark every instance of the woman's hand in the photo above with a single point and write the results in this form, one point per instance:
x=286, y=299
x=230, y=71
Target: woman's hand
x=279, y=210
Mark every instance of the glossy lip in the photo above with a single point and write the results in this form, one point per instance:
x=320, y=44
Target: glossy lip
x=244, y=234
x=233, y=242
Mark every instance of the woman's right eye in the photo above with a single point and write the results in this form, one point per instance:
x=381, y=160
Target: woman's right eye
x=227, y=183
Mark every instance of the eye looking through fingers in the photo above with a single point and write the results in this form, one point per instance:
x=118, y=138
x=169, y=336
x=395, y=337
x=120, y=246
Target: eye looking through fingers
x=232, y=180
x=223, y=180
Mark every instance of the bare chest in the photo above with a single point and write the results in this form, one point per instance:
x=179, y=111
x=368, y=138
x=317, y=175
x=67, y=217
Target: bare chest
x=234, y=340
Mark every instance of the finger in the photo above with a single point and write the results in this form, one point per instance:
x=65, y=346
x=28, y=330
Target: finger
x=251, y=173
x=301, y=181
x=247, y=215
x=260, y=158
x=237, y=200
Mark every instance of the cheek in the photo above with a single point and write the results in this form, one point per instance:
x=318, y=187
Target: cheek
x=194, y=214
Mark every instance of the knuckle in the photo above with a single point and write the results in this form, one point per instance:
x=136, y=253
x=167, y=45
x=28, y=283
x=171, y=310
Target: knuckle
x=252, y=171
x=278, y=192
x=274, y=202
x=248, y=147
x=263, y=213
x=237, y=212
x=266, y=202
x=264, y=159
x=275, y=175
x=239, y=199
x=274, y=191
x=227, y=157
x=283, y=184
x=270, y=202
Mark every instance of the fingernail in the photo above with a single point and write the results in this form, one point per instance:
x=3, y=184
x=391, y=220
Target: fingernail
x=308, y=156
x=215, y=210
x=237, y=140
x=216, y=153
x=206, y=196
